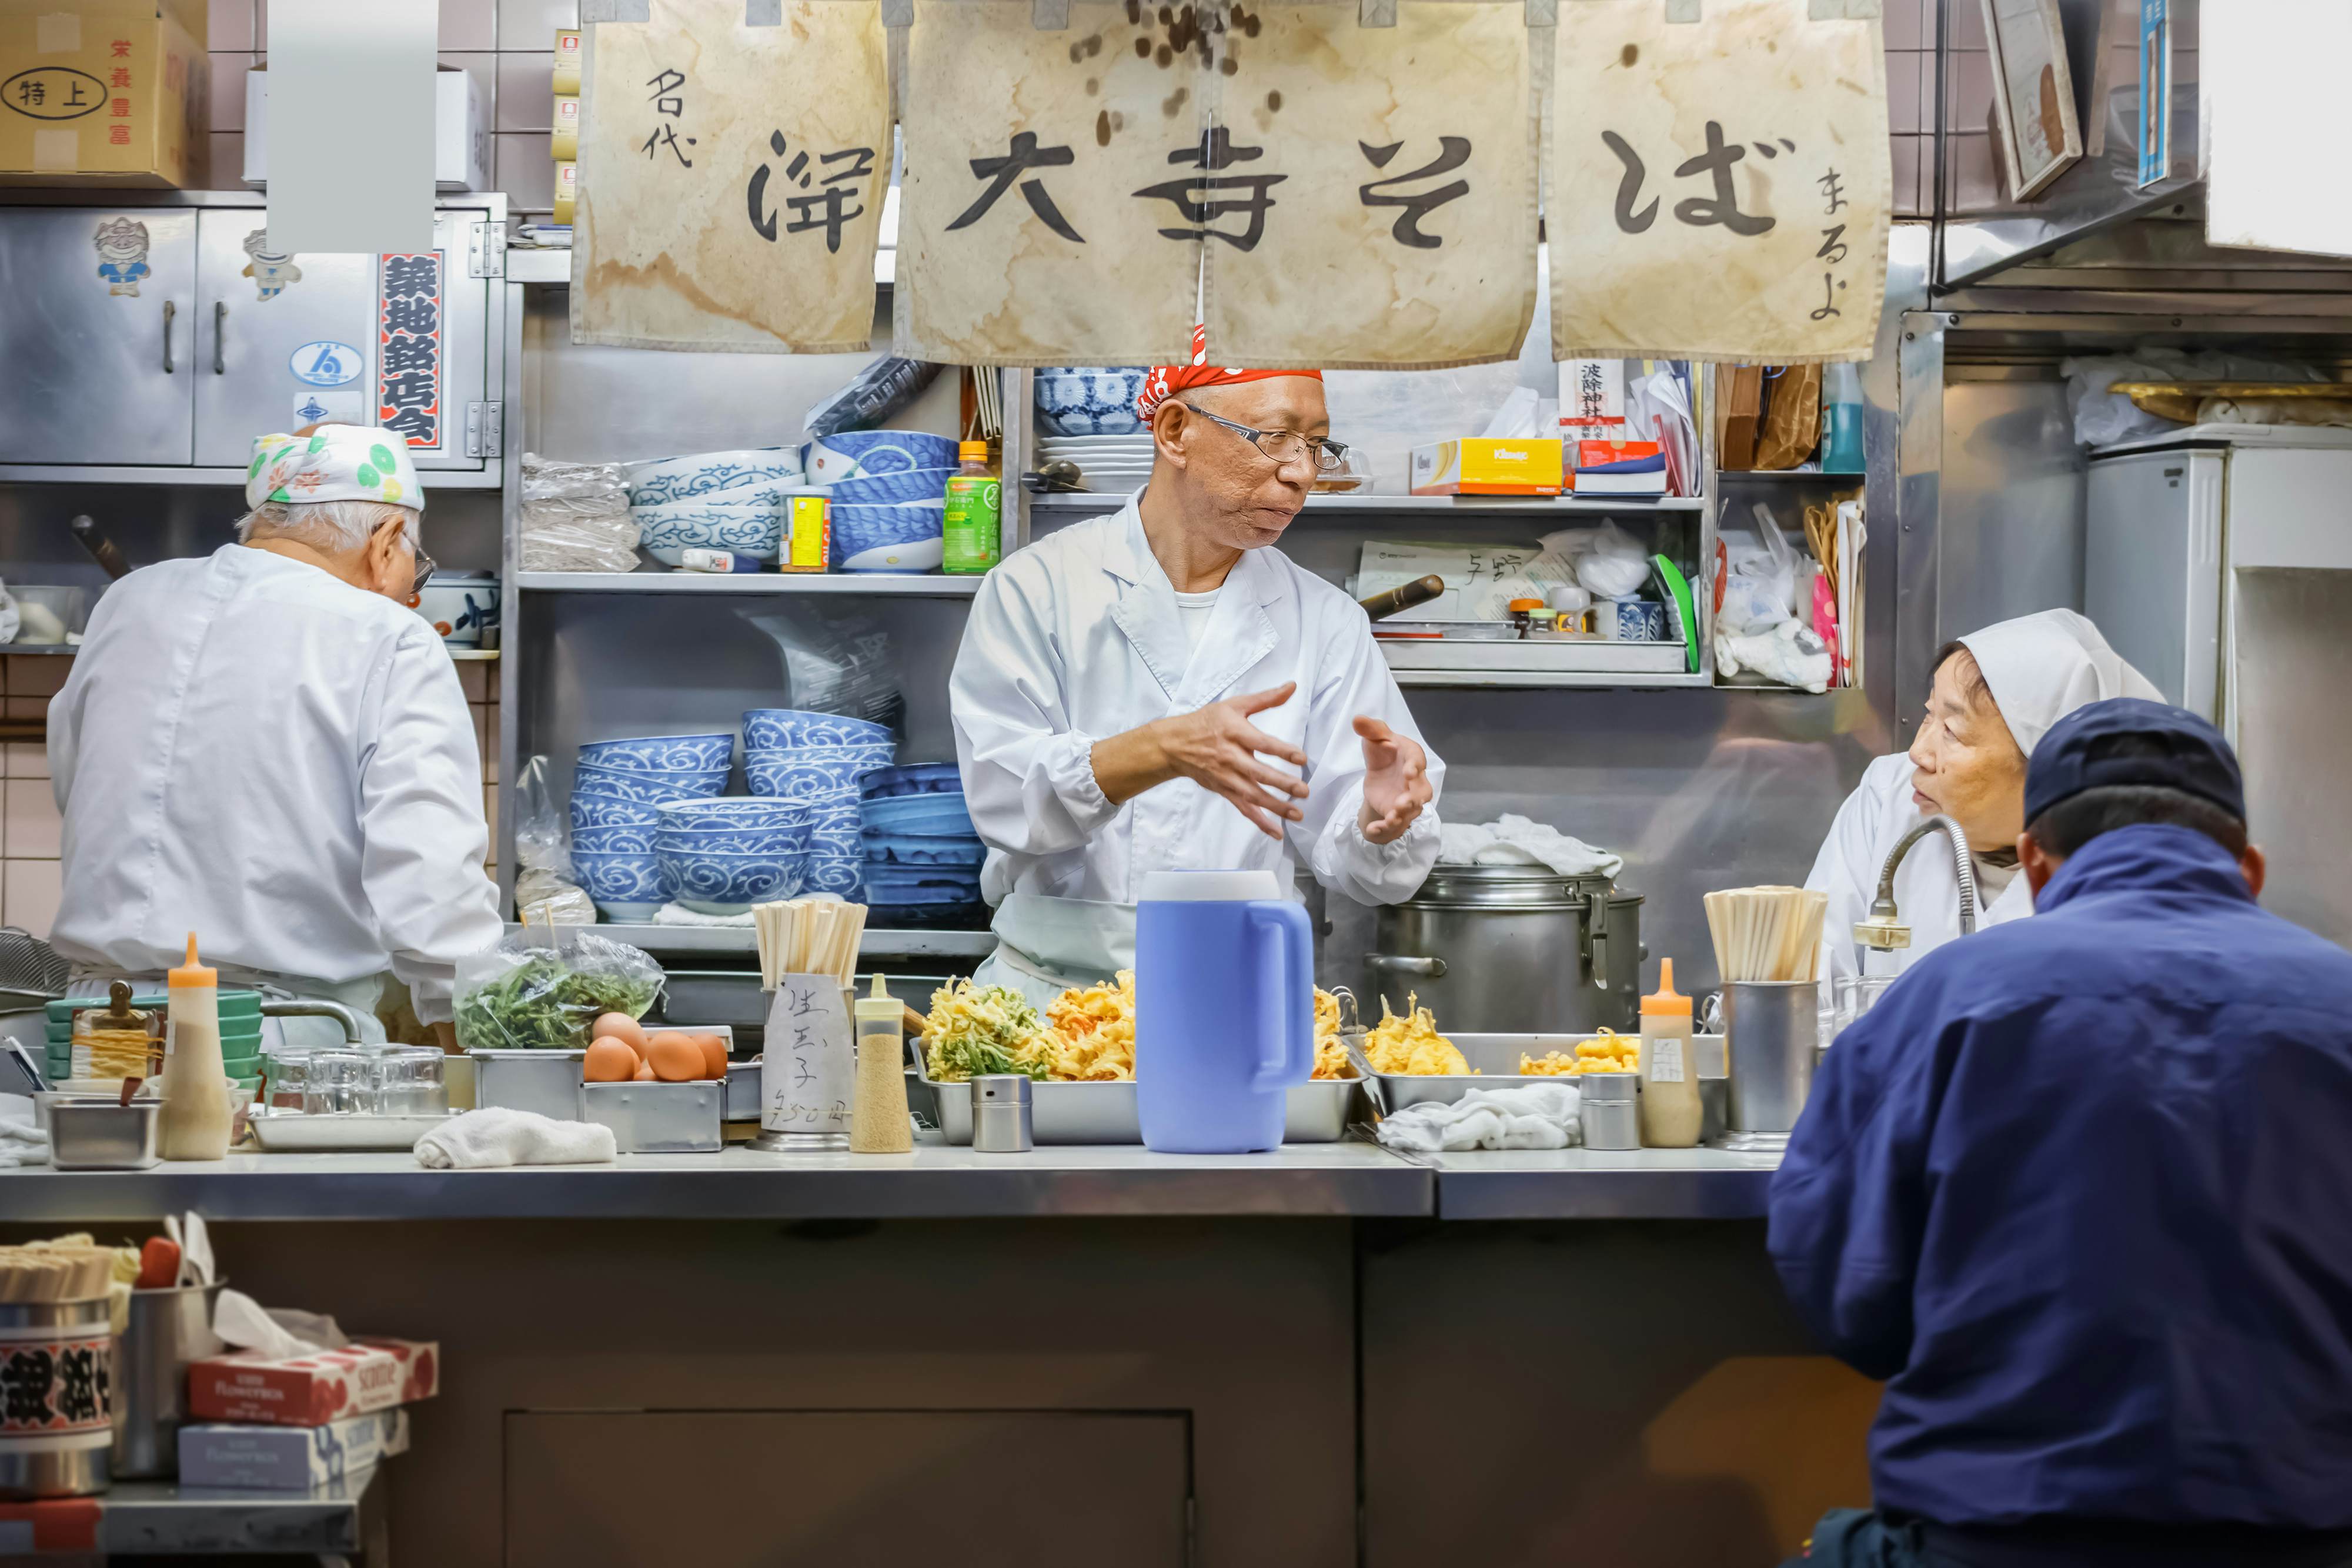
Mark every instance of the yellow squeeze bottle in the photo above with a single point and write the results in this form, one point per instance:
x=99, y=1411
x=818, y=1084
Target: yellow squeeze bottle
x=193, y=1123
x=1670, y=1113
x=877, y=1119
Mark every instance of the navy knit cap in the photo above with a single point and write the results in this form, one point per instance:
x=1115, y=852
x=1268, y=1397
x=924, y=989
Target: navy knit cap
x=2129, y=741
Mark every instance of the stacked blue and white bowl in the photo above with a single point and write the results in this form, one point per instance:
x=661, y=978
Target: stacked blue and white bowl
x=618, y=789
x=818, y=759
x=922, y=853
x=713, y=500
x=721, y=857
x=888, y=489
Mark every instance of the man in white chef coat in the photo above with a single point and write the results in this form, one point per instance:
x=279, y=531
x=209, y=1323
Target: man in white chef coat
x=1160, y=689
x=267, y=746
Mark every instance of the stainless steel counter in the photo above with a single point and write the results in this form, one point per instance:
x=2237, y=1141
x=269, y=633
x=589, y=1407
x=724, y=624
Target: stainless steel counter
x=936, y=1182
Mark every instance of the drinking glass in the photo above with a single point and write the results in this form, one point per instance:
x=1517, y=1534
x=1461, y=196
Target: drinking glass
x=338, y=1084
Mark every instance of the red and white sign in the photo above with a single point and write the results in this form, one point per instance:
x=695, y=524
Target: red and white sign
x=409, y=320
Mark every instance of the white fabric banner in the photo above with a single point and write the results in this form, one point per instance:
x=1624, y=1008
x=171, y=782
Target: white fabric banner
x=1022, y=237
x=1399, y=226
x=1719, y=189
x=731, y=179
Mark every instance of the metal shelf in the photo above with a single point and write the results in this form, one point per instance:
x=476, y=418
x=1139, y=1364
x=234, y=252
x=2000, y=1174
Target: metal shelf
x=528, y=264
x=756, y=584
x=1787, y=476
x=737, y=939
x=1582, y=680
x=1459, y=505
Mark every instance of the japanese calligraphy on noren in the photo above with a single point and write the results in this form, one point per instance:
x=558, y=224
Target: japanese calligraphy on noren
x=731, y=179
x=1707, y=208
x=1060, y=184
x=408, y=340
x=1349, y=224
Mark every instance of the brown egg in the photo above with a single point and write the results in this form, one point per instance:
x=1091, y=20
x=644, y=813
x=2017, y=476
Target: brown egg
x=610, y=1062
x=714, y=1053
x=623, y=1027
x=673, y=1058
x=644, y=1072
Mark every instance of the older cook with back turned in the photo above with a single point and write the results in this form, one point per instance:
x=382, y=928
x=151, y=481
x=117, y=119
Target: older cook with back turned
x=1159, y=689
x=266, y=747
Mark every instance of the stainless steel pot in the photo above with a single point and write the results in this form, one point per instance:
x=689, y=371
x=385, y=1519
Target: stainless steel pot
x=1512, y=949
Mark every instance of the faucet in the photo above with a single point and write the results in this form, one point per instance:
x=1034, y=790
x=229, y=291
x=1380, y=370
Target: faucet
x=313, y=1008
x=1884, y=929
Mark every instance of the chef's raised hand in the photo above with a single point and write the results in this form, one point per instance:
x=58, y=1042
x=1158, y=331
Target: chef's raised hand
x=1218, y=748
x=1396, y=781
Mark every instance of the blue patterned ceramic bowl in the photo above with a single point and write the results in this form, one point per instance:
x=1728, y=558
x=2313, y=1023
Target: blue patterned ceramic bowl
x=665, y=479
x=788, y=775
x=666, y=533
x=645, y=787
x=730, y=813
x=914, y=556
x=632, y=838
x=711, y=883
x=663, y=753
x=909, y=849
x=590, y=811
x=792, y=838
x=842, y=874
x=1089, y=400
x=913, y=779
x=861, y=453
x=941, y=815
x=857, y=529
x=628, y=877
x=767, y=728
x=903, y=886
x=910, y=487
x=837, y=835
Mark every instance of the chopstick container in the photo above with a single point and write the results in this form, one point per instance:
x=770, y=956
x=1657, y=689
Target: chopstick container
x=56, y=1438
x=1000, y=1114
x=1770, y=1030
x=1610, y=1112
x=658, y=1118
x=97, y=1132
x=166, y=1330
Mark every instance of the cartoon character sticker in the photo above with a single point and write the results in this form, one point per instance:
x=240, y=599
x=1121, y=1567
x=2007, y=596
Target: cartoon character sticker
x=121, y=253
x=270, y=270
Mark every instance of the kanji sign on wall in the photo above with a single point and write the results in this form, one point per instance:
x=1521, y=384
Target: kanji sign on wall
x=1720, y=189
x=409, y=322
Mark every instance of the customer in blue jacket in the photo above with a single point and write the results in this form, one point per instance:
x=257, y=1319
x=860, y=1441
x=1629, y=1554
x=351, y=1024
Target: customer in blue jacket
x=2079, y=1189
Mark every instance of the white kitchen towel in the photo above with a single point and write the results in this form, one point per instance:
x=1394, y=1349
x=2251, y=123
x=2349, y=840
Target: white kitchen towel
x=1521, y=840
x=679, y=915
x=499, y=1135
x=1535, y=1116
x=22, y=1143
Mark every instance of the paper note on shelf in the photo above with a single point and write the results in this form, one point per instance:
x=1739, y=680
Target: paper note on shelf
x=1481, y=580
x=808, y=1069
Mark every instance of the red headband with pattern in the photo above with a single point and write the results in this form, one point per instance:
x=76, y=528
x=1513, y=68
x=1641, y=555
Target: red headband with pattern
x=1166, y=381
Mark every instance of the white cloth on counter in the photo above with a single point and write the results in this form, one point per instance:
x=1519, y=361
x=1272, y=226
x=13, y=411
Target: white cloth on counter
x=679, y=915
x=22, y=1141
x=1521, y=840
x=499, y=1135
x=251, y=749
x=1077, y=637
x=1533, y=1116
x=2040, y=668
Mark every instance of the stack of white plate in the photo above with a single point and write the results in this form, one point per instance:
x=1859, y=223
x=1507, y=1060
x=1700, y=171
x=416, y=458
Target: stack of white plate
x=1107, y=462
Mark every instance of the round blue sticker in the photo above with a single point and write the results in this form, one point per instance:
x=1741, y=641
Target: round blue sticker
x=326, y=364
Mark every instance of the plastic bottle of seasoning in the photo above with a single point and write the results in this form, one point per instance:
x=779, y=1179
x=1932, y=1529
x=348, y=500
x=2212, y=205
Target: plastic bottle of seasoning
x=1670, y=1102
x=877, y=1119
x=1522, y=612
x=975, y=497
x=195, y=1121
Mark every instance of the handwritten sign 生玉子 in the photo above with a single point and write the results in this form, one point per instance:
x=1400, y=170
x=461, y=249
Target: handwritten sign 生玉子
x=1029, y=233
x=1401, y=231
x=717, y=210
x=808, y=1065
x=1719, y=191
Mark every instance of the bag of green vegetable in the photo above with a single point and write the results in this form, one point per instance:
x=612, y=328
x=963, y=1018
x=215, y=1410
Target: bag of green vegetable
x=540, y=989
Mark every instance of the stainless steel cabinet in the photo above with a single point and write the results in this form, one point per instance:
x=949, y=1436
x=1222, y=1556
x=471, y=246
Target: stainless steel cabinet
x=283, y=341
x=97, y=335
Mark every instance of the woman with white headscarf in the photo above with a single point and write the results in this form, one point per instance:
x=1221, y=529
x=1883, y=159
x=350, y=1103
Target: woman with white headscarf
x=1997, y=692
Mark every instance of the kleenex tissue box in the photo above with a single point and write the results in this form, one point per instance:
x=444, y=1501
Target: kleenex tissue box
x=289, y=1459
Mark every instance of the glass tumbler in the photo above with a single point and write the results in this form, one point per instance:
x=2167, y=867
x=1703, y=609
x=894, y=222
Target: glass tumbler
x=338, y=1084
x=408, y=1080
x=1857, y=994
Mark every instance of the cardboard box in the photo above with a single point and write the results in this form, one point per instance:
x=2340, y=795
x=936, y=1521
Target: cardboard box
x=104, y=92
x=564, y=141
x=1619, y=469
x=1479, y=465
x=461, y=131
x=313, y=1390
x=567, y=61
x=289, y=1458
x=567, y=187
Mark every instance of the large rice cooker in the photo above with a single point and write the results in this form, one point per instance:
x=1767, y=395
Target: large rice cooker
x=1508, y=949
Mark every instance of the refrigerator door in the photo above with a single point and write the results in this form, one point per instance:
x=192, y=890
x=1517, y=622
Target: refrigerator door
x=2290, y=665
x=2152, y=568
x=98, y=333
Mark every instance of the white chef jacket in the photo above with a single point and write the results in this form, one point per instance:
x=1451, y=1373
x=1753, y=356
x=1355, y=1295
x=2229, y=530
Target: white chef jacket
x=1927, y=893
x=1077, y=638
x=255, y=750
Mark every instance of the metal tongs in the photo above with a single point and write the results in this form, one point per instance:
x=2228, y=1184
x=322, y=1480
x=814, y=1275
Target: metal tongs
x=1351, y=1040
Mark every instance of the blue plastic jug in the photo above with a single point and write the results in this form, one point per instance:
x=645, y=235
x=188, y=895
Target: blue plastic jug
x=1225, y=1011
